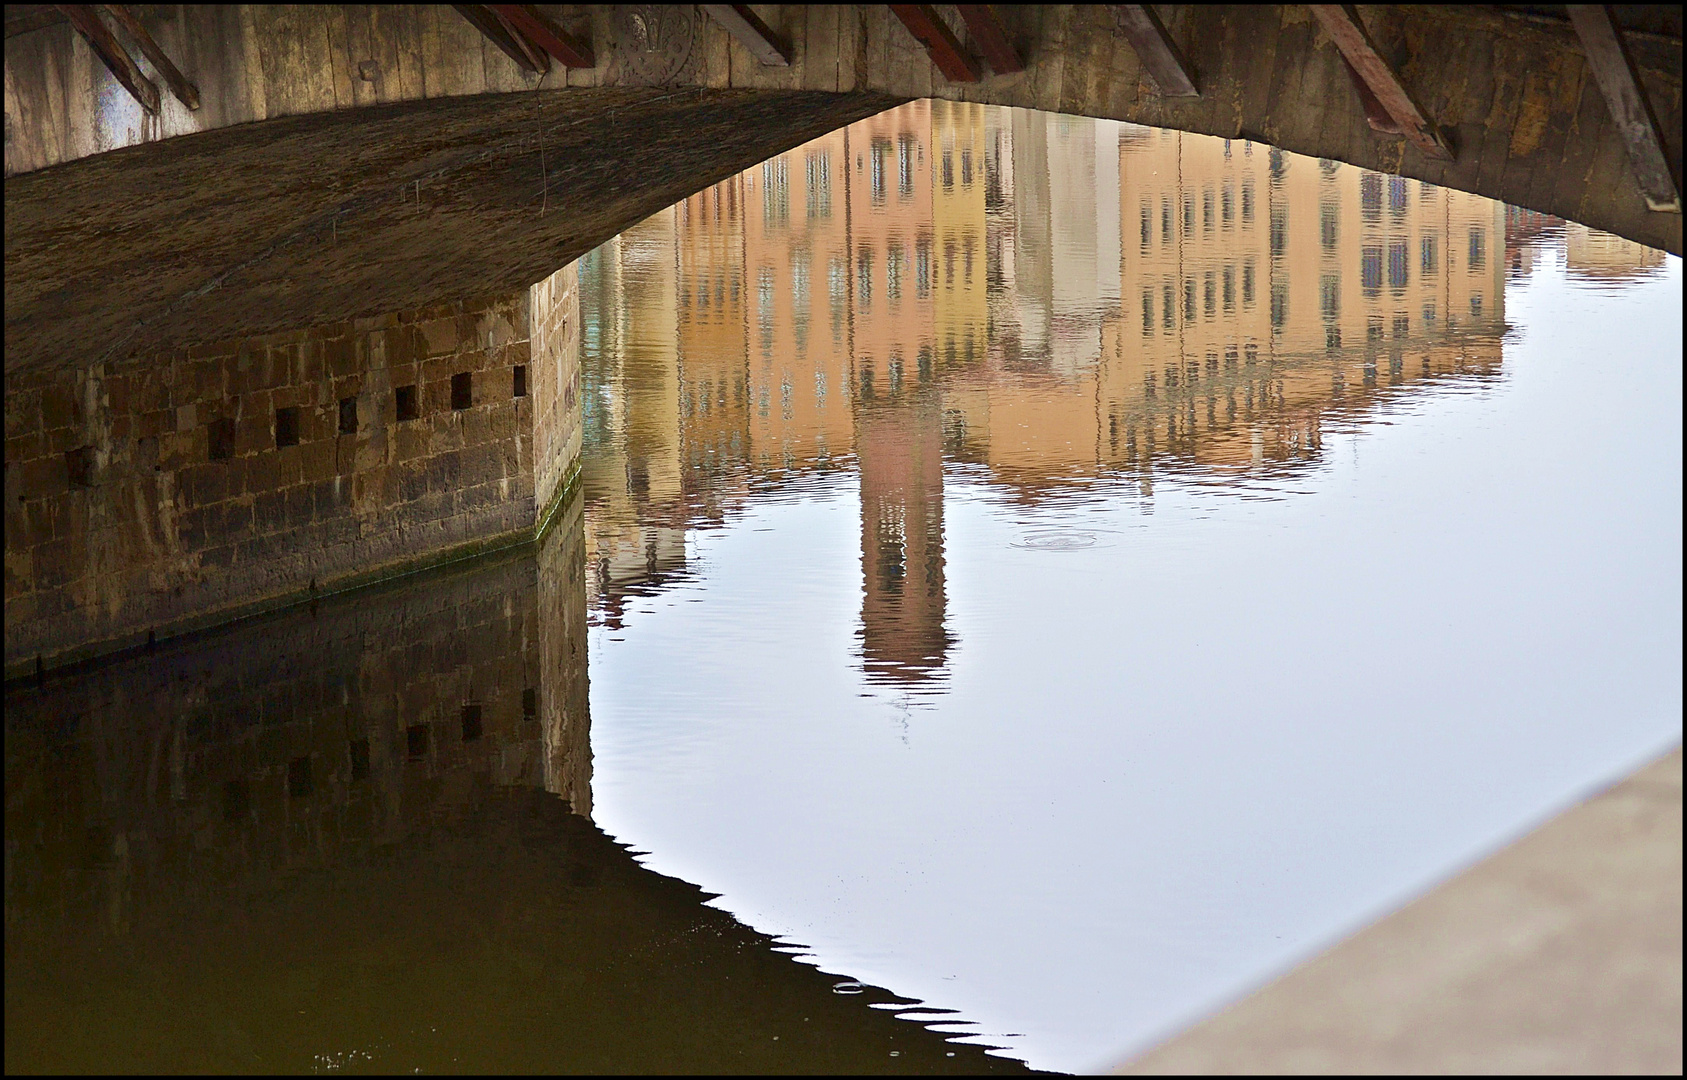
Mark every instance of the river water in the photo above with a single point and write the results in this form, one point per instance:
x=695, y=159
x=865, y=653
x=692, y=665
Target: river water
x=1036, y=577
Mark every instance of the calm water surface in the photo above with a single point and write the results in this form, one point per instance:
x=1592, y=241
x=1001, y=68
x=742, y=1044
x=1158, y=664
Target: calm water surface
x=1039, y=578
x=1069, y=572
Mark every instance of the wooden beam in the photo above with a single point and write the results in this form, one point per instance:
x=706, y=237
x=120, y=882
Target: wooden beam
x=1159, y=54
x=547, y=35
x=122, y=68
x=1342, y=23
x=1375, y=114
x=940, y=44
x=185, y=92
x=527, y=56
x=991, y=37
x=751, y=33
x=1612, y=67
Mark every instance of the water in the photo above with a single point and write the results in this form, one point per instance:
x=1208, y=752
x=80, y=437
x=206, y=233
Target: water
x=1092, y=638
x=1000, y=651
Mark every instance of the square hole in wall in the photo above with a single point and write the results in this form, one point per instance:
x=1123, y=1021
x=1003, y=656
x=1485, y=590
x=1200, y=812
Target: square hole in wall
x=521, y=380
x=348, y=416
x=360, y=759
x=79, y=463
x=408, y=406
x=416, y=740
x=237, y=800
x=287, y=427
x=529, y=703
x=299, y=780
x=471, y=723
x=462, y=390
x=221, y=439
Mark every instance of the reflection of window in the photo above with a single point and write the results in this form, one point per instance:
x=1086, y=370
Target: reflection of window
x=864, y=277
x=1188, y=300
x=894, y=259
x=1478, y=248
x=1227, y=202
x=775, y=193
x=1426, y=189
x=764, y=306
x=819, y=184
x=1279, y=304
x=1207, y=210
x=922, y=267
x=1329, y=296
x=966, y=168
x=1147, y=223
x=1328, y=166
x=1328, y=222
x=1370, y=195
x=1476, y=304
x=876, y=156
x=1396, y=195
x=1429, y=315
x=1247, y=202
x=1370, y=270
x=1147, y=312
x=905, y=166
x=1402, y=325
x=1210, y=295
x=1279, y=229
x=1248, y=284
x=1397, y=264
x=1332, y=336
x=1229, y=289
x=1165, y=219
x=1188, y=213
x=1430, y=257
x=1279, y=164
x=948, y=171
x=1168, y=310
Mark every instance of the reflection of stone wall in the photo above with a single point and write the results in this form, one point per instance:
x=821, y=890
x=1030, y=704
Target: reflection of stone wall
x=564, y=720
x=296, y=742
x=188, y=483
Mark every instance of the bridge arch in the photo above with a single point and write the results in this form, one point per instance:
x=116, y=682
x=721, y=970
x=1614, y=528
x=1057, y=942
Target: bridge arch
x=385, y=156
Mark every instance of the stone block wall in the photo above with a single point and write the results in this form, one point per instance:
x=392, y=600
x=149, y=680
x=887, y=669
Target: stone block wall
x=554, y=307
x=184, y=487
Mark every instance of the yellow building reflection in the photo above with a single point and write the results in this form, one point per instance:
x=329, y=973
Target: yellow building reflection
x=1050, y=298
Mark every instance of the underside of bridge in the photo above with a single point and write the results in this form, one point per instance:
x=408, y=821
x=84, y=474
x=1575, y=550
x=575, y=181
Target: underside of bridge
x=223, y=224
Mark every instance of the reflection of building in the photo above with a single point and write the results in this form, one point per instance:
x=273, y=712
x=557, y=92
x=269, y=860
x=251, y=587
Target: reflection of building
x=1589, y=253
x=939, y=282
x=630, y=467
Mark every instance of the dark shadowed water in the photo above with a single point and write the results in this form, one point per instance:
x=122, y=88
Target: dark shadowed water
x=1039, y=578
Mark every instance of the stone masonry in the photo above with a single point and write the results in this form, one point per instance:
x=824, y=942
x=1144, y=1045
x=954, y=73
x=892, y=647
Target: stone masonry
x=184, y=487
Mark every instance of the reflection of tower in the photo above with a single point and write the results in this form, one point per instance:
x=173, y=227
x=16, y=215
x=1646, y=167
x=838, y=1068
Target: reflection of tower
x=900, y=448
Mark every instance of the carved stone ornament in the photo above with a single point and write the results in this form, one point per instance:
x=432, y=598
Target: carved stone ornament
x=654, y=41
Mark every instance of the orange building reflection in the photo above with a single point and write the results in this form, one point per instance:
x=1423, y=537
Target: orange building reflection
x=1053, y=299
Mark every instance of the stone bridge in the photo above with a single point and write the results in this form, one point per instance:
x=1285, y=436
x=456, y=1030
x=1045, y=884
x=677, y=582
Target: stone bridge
x=223, y=224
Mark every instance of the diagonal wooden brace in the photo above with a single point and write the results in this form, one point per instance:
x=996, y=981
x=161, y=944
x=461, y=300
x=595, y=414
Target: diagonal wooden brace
x=1159, y=54
x=1624, y=96
x=1342, y=23
x=744, y=25
x=940, y=43
x=527, y=56
x=547, y=35
x=991, y=37
x=184, y=91
x=105, y=46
